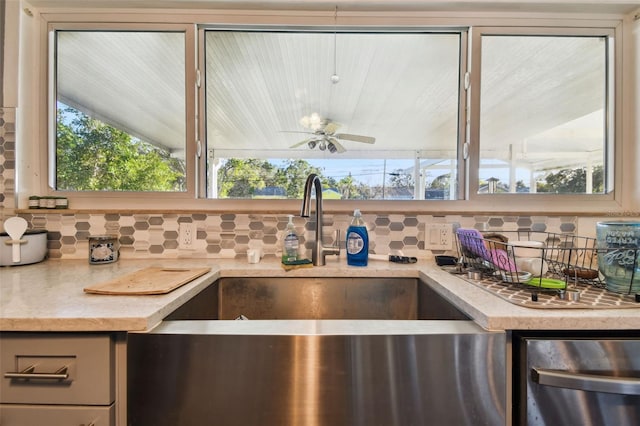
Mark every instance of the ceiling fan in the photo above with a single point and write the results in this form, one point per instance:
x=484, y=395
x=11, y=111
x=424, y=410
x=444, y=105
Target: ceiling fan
x=324, y=136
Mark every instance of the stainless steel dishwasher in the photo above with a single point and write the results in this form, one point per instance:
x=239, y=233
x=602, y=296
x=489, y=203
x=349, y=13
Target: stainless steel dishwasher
x=581, y=380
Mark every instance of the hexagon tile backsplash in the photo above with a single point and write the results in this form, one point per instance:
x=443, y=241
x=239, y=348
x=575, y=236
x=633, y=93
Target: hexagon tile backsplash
x=7, y=156
x=155, y=235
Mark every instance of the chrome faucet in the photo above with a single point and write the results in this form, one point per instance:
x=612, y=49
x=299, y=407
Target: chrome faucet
x=319, y=251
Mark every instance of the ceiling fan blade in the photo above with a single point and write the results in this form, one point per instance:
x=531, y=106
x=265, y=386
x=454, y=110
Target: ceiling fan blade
x=295, y=145
x=295, y=131
x=355, y=138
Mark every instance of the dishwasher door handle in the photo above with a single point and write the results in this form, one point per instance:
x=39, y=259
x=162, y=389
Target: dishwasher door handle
x=586, y=382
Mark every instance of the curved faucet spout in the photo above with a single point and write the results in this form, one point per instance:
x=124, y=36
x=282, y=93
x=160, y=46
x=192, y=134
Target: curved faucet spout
x=312, y=180
x=319, y=251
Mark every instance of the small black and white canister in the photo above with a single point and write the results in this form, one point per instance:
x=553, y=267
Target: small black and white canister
x=103, y=249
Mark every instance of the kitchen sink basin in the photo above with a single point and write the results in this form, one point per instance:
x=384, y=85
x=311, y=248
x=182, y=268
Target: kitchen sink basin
x=272, y=298
x=317, y=351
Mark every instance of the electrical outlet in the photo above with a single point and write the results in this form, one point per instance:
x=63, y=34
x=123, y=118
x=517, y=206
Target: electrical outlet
x=186, y=235
x=439, y=236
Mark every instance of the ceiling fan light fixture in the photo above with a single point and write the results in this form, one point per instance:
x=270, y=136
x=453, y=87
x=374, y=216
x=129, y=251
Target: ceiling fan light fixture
x=322, y=133
x=315, y=121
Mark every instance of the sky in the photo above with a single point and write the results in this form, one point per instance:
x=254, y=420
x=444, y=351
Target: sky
x=367, y=171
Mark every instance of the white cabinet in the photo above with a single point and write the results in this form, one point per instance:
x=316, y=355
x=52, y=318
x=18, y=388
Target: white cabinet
x=57, y=379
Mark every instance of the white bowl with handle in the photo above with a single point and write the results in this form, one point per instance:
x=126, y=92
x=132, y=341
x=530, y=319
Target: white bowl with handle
x=527, y=248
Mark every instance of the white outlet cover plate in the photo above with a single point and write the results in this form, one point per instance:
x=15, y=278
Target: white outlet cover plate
x=439, y=236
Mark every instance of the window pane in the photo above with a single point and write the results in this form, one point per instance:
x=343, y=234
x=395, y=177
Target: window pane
x=120, y=111
x=375, y=114
x=543, y=114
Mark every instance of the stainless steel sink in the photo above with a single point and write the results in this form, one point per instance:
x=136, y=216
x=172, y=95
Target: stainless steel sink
x=317, y=351
x=318, y=298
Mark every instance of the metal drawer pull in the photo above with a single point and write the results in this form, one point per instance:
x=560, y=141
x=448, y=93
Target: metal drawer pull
x=586, y=382
x=28, y=373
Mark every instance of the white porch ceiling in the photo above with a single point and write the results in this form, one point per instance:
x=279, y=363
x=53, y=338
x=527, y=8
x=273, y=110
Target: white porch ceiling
x=392, y=89
x=134, y=82
x=386, y=91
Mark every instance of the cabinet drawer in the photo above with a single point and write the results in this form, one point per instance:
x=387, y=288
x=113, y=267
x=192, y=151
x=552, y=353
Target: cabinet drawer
x=89, y=360
x=57, y=415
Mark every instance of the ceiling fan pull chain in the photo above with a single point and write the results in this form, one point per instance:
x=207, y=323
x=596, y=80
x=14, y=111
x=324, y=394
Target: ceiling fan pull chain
x=335, y=78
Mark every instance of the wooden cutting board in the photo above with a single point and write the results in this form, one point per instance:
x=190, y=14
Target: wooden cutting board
x=151, y=280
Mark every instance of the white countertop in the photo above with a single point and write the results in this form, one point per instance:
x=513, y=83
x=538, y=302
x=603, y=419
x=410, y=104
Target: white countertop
x=49, y=296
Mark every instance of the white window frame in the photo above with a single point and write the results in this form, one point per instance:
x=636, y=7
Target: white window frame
x=190, y=100
x=463, y=33
x=622, y=200
x=612, y=165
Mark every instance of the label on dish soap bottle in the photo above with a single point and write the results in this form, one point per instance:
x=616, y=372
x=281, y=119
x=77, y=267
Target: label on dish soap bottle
x=355, y=243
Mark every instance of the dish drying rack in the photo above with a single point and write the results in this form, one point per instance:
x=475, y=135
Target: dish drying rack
x=566, y=260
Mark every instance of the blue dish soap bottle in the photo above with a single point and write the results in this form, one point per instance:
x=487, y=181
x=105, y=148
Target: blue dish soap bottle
x=357, y=241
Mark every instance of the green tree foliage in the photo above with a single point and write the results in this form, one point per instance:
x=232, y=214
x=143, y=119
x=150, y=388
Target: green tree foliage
x=239, y=178
x=441, y=182
x=293, y=174
x=242, y=178
x=93, y=156
x=572, y=181
x=400, y=179
x=348, y=188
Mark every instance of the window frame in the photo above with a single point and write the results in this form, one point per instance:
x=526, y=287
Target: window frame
x=461, y=31
x=36, y=182
x=189, y=109
x=613, y=128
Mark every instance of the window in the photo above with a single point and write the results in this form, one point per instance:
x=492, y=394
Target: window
x=545, y=111
x=374, y=113
x=470, y=114
x=120, y=111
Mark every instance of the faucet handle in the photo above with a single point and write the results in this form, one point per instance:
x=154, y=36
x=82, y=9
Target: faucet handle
x=334, y=249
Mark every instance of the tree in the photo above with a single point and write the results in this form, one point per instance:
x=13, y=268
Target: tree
x=521, y=186
x=241, y=178
x=366, y=192
x=293, y=175
x=400, y=179
x=441, y=182
x=572, y=181
x=347, y=187
x=94, y=156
